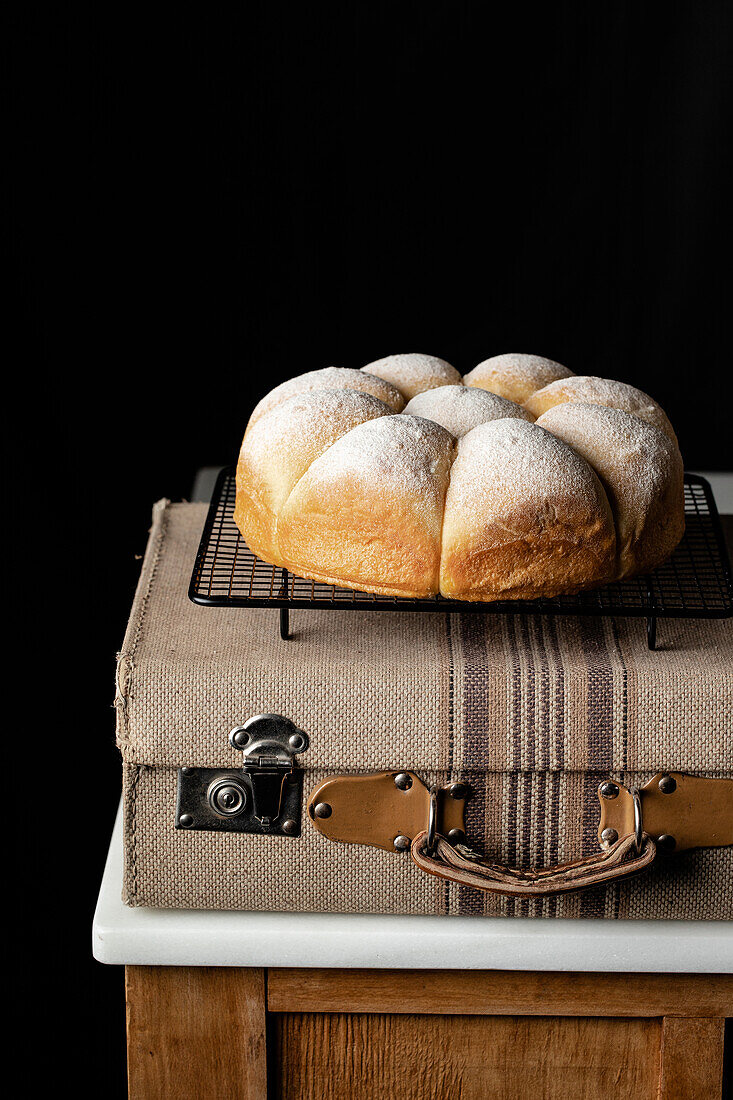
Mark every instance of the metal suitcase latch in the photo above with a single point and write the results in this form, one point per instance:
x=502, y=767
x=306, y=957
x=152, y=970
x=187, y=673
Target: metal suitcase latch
x=263, y=797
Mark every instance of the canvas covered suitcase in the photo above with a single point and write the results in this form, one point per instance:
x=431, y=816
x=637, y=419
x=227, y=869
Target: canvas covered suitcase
x=419, y=763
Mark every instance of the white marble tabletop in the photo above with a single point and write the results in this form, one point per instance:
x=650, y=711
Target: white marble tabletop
x=178, y=937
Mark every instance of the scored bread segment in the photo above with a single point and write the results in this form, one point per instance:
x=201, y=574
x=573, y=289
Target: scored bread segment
x=330, y=378
x=280, y=447
x=514, y=375
x=458, y=409
x=642, y=473
x=369, y=512
x=414, y=373
x=525, y=516
x=588, y=390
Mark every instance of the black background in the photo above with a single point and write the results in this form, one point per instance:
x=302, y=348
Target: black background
x=205, y=208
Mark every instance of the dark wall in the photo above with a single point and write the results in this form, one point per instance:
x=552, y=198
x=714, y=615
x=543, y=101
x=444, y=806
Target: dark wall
x=207, y=208
x=319, y=185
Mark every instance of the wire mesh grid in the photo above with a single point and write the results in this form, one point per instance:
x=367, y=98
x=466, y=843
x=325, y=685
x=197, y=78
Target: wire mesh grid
x=694, y=583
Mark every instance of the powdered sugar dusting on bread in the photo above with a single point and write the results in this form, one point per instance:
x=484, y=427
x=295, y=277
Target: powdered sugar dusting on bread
x=524, y=516
x=617, y=435
x=589, y=390
x=370, y=509
x=394, y=454
x=414, y=373
x=459, y=409
x=521, y=465
x=393, y=448
x=283, y=443
x=319, y=413
x=330, y=378
x=515, y=375
x=641, y=469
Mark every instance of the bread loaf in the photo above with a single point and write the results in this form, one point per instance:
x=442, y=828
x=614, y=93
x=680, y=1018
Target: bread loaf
x=459, y=492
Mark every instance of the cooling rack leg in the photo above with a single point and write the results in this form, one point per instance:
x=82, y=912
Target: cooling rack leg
x=284, y=611
x=651, y=619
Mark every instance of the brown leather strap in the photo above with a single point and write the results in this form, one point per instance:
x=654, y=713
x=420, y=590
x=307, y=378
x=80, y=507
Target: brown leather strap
x=460, y=864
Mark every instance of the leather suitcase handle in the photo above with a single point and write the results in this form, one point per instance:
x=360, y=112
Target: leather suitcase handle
x=460, y=864
x=672, y=812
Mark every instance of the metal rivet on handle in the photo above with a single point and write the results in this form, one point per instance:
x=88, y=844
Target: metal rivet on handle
x=290, y=827
x=402, y=843
x=185, y=821
x=609, y=836
x=458, y=790
x=666, y=842
x=667, y=784
x=322, y=810
x=403, y=781
x=609, y=789
x=456, y=836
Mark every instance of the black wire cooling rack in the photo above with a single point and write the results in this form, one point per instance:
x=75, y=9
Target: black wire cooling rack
x=694, y=584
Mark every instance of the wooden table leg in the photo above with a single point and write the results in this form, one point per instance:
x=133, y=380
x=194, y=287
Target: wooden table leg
x=196, y=1032
x=692, y=1058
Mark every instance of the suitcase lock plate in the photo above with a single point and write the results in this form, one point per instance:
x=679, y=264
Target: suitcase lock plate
x=262, y=797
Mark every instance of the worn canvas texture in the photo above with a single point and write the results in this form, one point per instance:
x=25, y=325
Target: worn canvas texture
x=532, y=711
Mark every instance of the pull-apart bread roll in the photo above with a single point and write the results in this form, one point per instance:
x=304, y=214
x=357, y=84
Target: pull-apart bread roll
x=515, y=376
x=525, y=516
x=459, y=491
x=600, y=391
x=278, y=449
x=458, y=409
x=641, y=470
x=369, y=511
x=412, y=374
x=330, y=378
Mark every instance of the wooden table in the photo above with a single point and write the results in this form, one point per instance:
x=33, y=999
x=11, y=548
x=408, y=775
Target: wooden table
x=324, y=1033
x=552, y=1009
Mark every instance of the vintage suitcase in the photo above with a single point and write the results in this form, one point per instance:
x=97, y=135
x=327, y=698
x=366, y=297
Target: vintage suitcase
x=419, y=763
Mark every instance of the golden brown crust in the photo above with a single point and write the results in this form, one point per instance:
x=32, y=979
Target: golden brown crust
x=641, y=470
x=524, y=517
x=369, y=512
x=278, y=450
